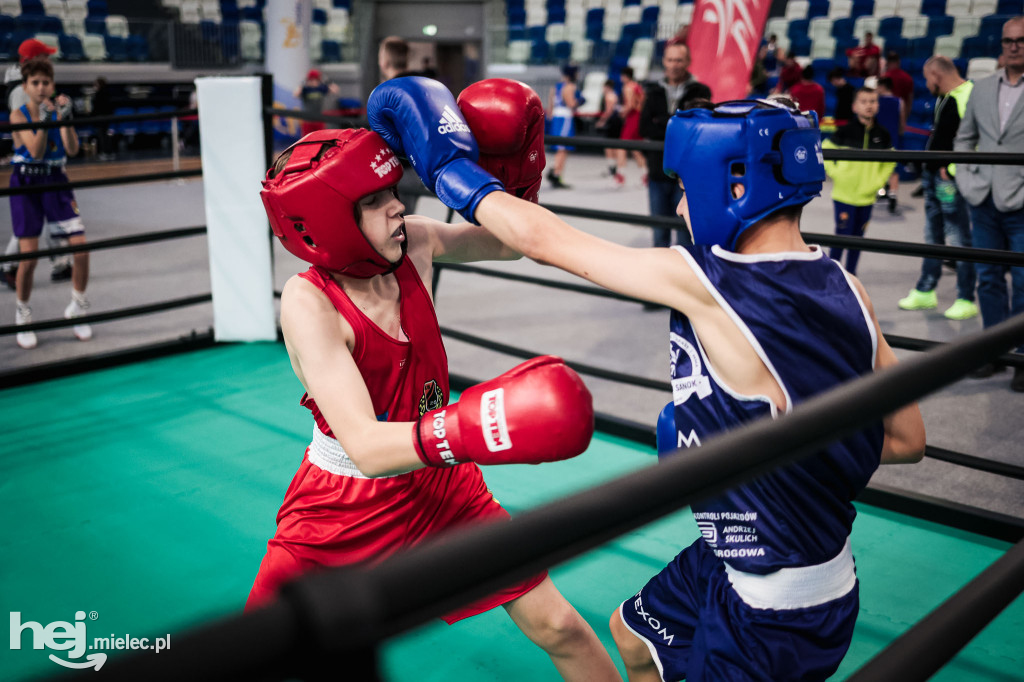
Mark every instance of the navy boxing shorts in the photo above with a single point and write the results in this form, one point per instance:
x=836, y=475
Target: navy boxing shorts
x=30, y=211
x=697, y=627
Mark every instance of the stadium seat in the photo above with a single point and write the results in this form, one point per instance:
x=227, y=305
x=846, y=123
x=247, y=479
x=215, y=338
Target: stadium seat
x=1014, y=7
x=915, y=27
x=820, y=27
x=34, y=7
x=95, y=24
x=97, y=8
x=330, y=51
x=992, y=25
x=979, y=67
x=117, y=25
x=776, y=26
x=138, y=48
x=94, y=47
x=798, y=30
x=948, y=46
x=51, y=39
x=519, y=51
x=908, y=8
x=939, y=26
x=823, y=48
x=933, y=8
x=71, y=48
x=250, y=41
x=817, y=8
x=117, y=49
x=890, y=27
x=958, y=8
x=839, y=9
x=51, y=24
x=979, y=46
x=864, y=25
x=842, y=28
x=29, y=23
x=796, y=9
x=861, y=8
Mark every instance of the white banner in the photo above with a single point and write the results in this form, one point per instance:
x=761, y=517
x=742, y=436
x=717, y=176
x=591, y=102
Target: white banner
x=287, y=56
x=238, y=233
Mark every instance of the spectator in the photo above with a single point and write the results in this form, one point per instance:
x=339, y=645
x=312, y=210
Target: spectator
x=902, y=84
x=60, y=266
x=855, y=183
x=39, y=158
x=393, y=61
x=661, y=99
x=770, y=55
x=312, y=93
x=996, y=193
x=892, y=116
x=844, y=95
x=863, y=59
x=103, y=105
x=790, y=74
x=562, y=103
x=609, y=124
x=809, y=95
x=632, y=103
x=946, y=219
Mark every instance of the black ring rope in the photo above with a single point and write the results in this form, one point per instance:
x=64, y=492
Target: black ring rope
x=107, y=316
x=920, y=651
x=96, y=120
x=346, y=612
x=589, y=370
x=101, y=182
x=114, y=242
x=911, y=343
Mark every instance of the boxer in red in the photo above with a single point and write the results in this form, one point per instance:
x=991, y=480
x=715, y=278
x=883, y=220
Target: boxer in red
x=390, y=462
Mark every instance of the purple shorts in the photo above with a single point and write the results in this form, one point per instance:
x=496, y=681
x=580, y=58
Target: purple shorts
x=30, y=211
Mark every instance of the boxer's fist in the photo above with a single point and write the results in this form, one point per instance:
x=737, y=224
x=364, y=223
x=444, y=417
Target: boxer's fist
x=539, y=411
x=420, y=120
x=507, y=120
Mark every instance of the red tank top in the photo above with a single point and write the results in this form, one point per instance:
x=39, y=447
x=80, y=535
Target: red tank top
x=405, y=378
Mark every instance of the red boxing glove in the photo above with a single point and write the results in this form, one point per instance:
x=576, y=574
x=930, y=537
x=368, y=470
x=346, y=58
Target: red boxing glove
x=507, y=120
x=539, y=411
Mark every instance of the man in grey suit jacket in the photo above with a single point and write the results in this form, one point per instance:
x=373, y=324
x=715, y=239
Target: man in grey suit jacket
x=994, y=122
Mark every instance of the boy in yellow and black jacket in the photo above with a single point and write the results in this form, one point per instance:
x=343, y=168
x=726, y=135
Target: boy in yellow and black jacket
x=855, y=184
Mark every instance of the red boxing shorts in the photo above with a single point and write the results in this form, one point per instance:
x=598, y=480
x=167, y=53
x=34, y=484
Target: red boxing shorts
x=334, y=516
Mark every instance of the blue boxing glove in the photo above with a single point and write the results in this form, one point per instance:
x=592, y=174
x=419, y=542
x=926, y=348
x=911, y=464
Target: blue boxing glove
x=666, y=431
x=420, y=120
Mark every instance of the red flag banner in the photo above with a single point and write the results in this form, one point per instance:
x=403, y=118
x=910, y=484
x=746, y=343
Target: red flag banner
x=724, y=38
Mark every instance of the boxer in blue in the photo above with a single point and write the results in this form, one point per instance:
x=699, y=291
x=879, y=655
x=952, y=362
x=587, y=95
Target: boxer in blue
x=760, y=322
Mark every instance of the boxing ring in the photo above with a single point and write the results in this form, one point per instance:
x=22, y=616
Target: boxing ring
x=186, y=521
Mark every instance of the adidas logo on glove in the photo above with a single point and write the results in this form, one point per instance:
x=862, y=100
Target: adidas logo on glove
x=451, y=122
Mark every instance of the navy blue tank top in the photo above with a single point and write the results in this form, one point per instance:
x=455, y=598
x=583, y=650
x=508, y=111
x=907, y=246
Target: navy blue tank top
x=53, y=154
x=809, y=326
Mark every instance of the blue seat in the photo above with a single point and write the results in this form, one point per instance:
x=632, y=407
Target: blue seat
x=8, y=51
x=117, y=49
x=230, y=13
x=562, y=51
x=940, y=26
x=922, y=111
x=124, y=128
x=861, y=8
x=842, y=28
x=992, y=25
x=32, y=7
x=51, y=24
x=319, y=15
x=1014, y=7
x=633, y=32
x=539, y=52
x=138, y=48
x=594, y=32
x=821, y=69
x=71, y=48
x=6, y=24
x=342, y=4
x=817, y=8
x=961, y=65
x=979, y=46
x=922, y=48
x=536, y=33
x=330, y=51
x=230, y=41
x=800, y=47
x=516, y=32
x=890, y=27
x=650, y=15
x=29, y=23
x=933, y=8
x=256, y=14
x=556, y=15
x=97, y=8
x=95, y=24
x=152, y=126
x=798, y=29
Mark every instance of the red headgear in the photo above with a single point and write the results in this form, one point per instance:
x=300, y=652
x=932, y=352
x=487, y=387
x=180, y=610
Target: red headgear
x=311, y=201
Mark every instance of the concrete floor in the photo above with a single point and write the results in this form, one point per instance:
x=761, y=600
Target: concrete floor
x=978, y=417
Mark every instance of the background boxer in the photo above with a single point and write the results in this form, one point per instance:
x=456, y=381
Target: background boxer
x=363, y=339
x=760, y=322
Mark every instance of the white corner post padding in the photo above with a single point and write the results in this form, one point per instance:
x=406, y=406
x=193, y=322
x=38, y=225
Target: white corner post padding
x=238, y=234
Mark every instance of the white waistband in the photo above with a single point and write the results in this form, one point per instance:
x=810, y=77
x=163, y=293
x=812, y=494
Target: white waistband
x=327, y=453
x=797, y=588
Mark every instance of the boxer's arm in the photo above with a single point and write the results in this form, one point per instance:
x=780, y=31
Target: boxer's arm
x=904, y=429
x=34, y=139
x=657, y=275
x=318, y=342
x=456, y=243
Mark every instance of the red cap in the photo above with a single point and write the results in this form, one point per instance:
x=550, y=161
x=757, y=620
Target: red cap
x=313, y=73
x=34, y=48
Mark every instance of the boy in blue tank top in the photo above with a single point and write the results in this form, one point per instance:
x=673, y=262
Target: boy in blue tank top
x=39, y=158
x=761, y=322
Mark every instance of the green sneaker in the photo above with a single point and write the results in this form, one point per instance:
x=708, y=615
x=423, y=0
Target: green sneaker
x=962, y=309
x=919, y=300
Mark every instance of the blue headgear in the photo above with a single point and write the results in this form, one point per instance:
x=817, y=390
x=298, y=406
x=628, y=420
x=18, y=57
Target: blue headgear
x=774, y=152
